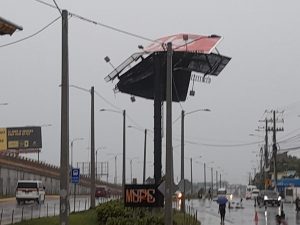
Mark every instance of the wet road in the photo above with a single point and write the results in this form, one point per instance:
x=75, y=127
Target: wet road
x=208, y=214
x=11, y=212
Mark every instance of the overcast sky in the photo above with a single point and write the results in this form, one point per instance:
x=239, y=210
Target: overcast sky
x=262, y=37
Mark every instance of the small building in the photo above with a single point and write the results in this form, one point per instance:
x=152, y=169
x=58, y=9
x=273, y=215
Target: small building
x=290, y=188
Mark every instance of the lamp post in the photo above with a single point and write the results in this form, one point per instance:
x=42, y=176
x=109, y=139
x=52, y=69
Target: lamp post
x=124, y=145
x=183, y=114
x=100, y=148
x=145, y=151
x=131, y=168
x=116, y=173
x=72, y=143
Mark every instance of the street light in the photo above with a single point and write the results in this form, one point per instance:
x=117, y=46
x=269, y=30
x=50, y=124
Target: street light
x=183, y=113
x=131, y=168
x=116, y=173
x=145, y=151
x=72, y=143
x=124, y=145
x=100, y=148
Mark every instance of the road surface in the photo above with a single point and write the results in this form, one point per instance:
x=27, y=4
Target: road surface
x=249, y=215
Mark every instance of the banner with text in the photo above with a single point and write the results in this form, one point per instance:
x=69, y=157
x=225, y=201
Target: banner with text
x=143, y=195
x=20, y=138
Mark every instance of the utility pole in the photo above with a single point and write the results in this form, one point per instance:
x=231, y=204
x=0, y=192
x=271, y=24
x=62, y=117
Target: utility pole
x=145, y=151
x=191, y=176
x=124, y=153
x=212, y=181
x=204, y=178
x=93, y=182
x=131, y=171
x=274, y=149
x=217, y=180
x=115, y=180
x=182, y=161
x=169, y=159
x=64, y=151
x=266, y=153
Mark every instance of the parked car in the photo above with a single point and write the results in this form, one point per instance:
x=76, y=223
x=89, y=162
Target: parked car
x=102, y=192
x=28, y=190
x=268, y=197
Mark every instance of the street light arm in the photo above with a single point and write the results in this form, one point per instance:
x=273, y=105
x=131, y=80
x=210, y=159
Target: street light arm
x=197, y=110
x=110, y=110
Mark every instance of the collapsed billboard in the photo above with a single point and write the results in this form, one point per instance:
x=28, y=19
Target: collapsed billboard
x=20, y=138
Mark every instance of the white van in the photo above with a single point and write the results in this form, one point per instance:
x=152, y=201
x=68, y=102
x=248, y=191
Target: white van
x=28, y=190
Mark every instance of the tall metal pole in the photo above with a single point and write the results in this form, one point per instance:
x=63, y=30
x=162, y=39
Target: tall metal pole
x=115, y=180
x=97, y=164
x=124, y=154
x=275, y=149
x=72, y=154
x=93, y=182
x=266, y=154
x=191, y=176
x=216, y=180
x=131, y=171
x=169, y=159
x=212, y=181
x=220, y=180
x=157, y=119
x=204, y=178
x=64, y=145
x=145, y=151
x=182, y=161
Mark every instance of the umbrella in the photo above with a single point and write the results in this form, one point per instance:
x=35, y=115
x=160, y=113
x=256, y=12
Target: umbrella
x=191, y=53
x=222, y=200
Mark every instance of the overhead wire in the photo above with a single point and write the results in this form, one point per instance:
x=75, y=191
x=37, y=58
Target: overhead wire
x=57, y=7
x=108, y=102
x=32, y=35
x=104, y=25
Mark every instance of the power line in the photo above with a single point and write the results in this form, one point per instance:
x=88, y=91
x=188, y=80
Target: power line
x=32, y=35
x=108, y=102
x=57, y=7
x=103, y=25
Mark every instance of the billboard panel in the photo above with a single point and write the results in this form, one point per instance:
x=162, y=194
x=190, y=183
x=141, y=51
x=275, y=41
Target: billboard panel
x=143, y=195
x=24, y=137
x=3, y=139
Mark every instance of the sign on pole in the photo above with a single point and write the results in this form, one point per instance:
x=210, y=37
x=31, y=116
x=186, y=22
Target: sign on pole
x=143, y=195
x=75, y=176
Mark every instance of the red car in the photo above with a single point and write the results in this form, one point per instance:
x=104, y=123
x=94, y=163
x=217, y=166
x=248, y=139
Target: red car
x=102, y=192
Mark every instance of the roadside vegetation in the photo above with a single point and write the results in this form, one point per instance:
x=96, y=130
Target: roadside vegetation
x=114, y=213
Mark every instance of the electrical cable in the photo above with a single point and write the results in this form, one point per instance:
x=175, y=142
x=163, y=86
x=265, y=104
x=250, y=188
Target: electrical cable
x=57, y=7
x=103, y=25
x=32, y=35
x=108, y=102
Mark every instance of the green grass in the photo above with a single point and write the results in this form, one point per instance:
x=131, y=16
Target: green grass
x=90, y=218
x=82, y=218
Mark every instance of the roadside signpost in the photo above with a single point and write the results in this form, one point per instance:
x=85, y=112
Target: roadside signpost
x=75, y=179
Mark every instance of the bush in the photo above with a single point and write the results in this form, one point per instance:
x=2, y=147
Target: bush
x=114, y=213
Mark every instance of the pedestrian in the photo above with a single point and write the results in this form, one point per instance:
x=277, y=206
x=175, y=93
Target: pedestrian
x=209, y=194
x=280, y=220
x=222, y=211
